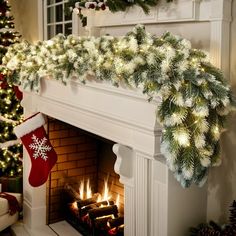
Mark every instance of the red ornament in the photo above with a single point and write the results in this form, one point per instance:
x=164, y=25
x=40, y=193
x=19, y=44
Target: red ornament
x=3, y=85
x=2, y=77
x=18, y=93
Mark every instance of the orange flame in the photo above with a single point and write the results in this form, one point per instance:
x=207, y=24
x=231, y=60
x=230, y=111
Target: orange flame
x=88, y=190
x=106, y=195
x=74, y=205
x=81, y=190
x=118, y=201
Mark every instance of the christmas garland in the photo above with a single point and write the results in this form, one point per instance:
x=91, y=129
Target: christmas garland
x=112, y=5
x=195, y=99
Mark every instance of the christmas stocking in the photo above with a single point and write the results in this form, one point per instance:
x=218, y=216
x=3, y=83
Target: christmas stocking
x=40, y=150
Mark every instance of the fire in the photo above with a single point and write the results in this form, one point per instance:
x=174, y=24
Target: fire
x=81, y=190
x=86, y=193
x=118, y=201
x=88, y=190
x=106, y=195
x=74, y=205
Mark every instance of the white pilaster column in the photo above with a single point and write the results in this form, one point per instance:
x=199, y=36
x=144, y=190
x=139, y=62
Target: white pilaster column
x=34, y=204
x=133, y=168
x=142, y=194
x=124, y=166
x=220, y=34
x=76, y=25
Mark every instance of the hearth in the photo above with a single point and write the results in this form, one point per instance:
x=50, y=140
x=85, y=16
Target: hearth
x=83, y=187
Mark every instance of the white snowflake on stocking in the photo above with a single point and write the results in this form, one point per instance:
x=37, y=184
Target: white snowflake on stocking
x=40, y=148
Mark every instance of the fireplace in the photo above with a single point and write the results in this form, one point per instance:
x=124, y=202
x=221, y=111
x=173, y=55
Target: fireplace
x=83, y=181
x=153, y=199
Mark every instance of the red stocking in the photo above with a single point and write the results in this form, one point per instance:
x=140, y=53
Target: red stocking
x=42, y=155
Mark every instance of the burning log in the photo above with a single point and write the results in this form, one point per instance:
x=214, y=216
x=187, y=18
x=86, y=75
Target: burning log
x=72, y=194
x=73, y=209
x=92, y=200
x=120, y=230
x=84, y=210
x=117, y=231
x=101, y=223
x=103, y=211
x=112, y=223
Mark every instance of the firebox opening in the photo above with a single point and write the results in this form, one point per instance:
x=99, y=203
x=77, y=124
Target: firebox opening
x=85, y=161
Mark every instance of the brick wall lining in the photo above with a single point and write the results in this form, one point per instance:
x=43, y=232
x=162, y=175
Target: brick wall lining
x=78, y=159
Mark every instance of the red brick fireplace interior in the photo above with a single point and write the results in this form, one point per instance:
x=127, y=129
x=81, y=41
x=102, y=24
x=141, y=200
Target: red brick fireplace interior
x=81, y=156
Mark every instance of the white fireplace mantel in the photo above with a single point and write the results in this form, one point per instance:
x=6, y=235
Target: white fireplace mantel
x=155, y=203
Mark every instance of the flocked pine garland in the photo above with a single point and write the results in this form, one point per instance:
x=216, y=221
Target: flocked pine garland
x=112, y=5
x=195, y=97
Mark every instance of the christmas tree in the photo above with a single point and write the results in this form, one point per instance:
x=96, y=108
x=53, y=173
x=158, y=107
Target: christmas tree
x=10, y=109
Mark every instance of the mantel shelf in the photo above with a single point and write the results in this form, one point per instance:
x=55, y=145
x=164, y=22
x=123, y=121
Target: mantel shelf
x=98, y=107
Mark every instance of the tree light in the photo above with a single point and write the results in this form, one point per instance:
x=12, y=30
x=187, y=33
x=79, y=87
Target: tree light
x=182, y=137
x=216, y=132
x=50, y=43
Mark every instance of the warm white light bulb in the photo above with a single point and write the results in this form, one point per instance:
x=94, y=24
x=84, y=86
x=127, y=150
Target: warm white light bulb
x=183, y=139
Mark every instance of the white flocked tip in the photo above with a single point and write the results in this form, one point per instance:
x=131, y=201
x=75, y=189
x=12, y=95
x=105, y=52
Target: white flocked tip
x=29, y=125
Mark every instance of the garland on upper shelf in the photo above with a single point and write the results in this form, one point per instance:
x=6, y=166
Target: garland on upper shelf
x=112, y=5
x=195, y=99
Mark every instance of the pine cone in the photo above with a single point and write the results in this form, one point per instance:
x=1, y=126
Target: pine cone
x=228, y=231
x=208, y=232
x=232, y=217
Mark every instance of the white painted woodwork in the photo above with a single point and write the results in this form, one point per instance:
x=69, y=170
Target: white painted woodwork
x=126, y=117
x=124, y=166
x=155, y=203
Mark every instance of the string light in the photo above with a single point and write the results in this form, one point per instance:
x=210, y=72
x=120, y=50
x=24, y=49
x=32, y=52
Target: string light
x=182, y=137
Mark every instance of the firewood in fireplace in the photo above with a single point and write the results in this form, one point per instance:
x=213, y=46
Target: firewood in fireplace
x=93, y=199
x=101, y=223
x=112, y=223
x=74, y=211
x=103, y=211
x=120, y=230
x=72, y=194
x=84, y=210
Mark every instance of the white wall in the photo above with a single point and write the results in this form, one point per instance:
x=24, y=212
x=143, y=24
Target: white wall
x=199, y=36
x=25, y=13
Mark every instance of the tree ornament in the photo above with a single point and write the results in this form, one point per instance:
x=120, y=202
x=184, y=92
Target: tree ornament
x=42, y=155
x=113, y=6
x=18, y=93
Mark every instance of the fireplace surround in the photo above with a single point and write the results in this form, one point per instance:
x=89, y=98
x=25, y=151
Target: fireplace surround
x=155, y=203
